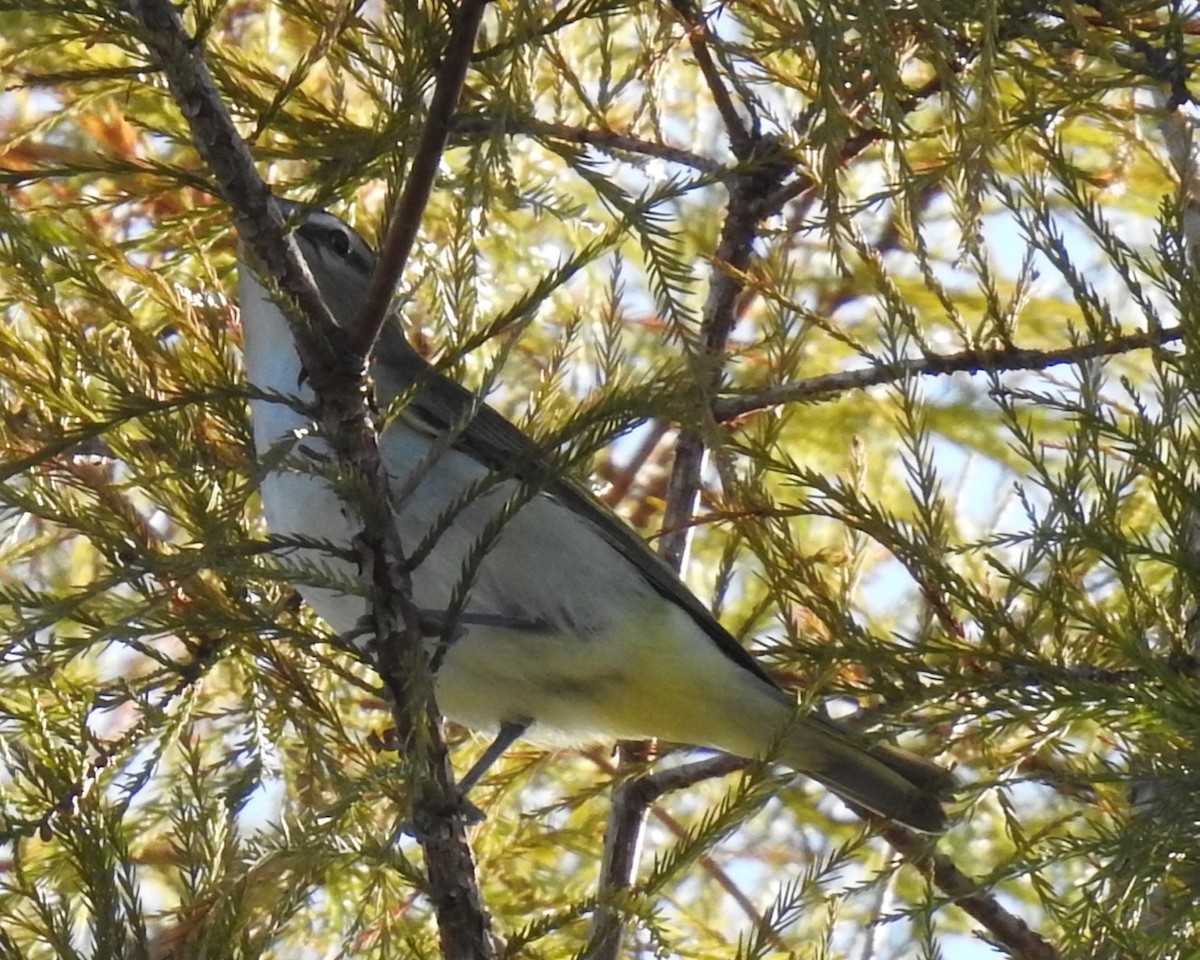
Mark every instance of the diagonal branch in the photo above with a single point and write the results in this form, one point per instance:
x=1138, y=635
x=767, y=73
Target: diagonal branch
x=1008, y=929
x=346, y=419
x=608, y=141
x=402, y=233
x=853, y=146
x=761, y=170
x=741, y=140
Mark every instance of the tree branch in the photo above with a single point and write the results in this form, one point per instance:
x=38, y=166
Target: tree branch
x=406, y=223
x=652, y=787
x=608, y=141
x=741, y=141
x=1009, y=930
x=852, y=147
x=965, y=361
x=761, y=170
x=338, y=377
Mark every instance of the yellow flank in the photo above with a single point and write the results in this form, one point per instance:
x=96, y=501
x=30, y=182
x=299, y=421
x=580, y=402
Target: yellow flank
x=655, y=674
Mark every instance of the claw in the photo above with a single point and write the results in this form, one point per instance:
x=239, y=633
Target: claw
x=470, y=814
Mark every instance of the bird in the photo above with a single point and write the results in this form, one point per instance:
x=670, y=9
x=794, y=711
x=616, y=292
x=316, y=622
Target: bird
x=573, y=629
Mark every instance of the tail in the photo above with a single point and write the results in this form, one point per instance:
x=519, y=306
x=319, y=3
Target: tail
x=877, y=778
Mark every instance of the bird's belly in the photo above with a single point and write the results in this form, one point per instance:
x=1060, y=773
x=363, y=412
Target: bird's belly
x=651, y=673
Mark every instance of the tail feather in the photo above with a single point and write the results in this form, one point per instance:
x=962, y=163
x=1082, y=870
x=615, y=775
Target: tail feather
x=879, y=779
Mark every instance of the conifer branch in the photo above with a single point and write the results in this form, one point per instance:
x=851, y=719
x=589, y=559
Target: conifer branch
x=346, y=417
x=763, y=166
x=406, y=222
x=1000, y=359
x=1007, y=929
x=741, y=140
x=607, y=141
x=158, y=685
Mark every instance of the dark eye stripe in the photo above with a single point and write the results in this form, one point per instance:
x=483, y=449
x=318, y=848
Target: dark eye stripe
x=357, y=255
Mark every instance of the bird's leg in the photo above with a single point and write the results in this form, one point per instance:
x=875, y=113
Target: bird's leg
x=362, y=636
x=506, y=736
x=433, y=623
x=450, y=628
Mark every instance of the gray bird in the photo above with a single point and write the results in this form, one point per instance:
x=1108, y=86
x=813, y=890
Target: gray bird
x=573, y=630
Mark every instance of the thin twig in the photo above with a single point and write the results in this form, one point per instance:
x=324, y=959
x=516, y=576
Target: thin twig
x=419, y=184
x=1000, y=359
x=608, y=141
x=632, y=799
x=620, y=481
x=852, y=147
x=654, y=786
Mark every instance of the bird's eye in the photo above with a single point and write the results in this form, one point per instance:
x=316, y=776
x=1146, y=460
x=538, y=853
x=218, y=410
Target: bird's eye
x=339, y=242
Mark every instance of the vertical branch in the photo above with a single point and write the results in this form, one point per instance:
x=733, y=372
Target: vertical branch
x=338, y=376
x=624, y=835
x=741, y=141
x=1149, y=796
x=763, y=167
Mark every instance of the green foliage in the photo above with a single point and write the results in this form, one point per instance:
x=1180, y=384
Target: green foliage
x=1001, y=560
